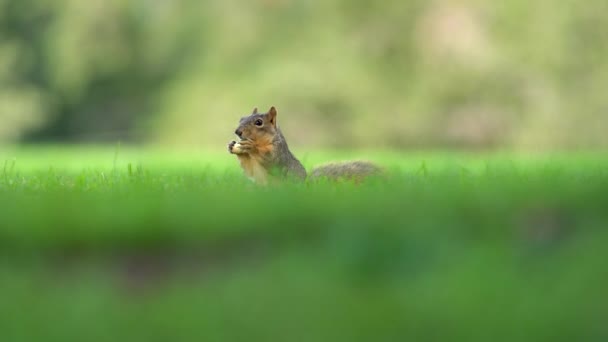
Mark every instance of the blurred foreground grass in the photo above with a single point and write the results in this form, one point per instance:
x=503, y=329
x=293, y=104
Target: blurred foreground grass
x=147, y=245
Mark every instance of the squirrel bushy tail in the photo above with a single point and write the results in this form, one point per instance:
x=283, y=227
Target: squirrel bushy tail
x=349, y=170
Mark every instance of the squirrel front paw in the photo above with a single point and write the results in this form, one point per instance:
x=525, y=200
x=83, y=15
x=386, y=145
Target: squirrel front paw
x=231, y=146
x=241, y=147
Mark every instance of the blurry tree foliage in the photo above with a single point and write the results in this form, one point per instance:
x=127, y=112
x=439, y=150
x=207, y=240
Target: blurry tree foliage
x=343, y=73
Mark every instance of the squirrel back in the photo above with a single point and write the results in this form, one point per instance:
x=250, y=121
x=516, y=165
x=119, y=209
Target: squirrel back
x=264, y=154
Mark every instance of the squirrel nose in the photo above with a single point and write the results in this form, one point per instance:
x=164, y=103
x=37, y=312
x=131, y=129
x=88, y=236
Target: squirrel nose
x=238, y=132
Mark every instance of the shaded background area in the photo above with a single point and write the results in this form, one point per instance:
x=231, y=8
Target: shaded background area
x=343, y=73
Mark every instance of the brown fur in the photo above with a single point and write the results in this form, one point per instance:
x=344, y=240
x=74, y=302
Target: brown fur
x=262, y=149
x=254, y=161
x=253, y=168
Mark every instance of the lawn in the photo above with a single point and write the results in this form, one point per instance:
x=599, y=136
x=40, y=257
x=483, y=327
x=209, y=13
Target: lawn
x=125, y=244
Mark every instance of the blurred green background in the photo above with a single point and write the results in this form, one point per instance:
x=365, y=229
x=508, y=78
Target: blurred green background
x=343, y=73
x=124, y=218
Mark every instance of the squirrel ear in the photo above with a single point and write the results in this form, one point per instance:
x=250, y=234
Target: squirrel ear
x=255, y=110
x=272, y=115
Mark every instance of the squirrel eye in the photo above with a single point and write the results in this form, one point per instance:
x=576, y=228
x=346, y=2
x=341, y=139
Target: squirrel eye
x=259, y=122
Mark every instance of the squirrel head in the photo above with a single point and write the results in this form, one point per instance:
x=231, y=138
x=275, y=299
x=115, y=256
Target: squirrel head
x=258, y=127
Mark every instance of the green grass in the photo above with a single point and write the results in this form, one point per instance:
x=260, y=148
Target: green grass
x=108, y=244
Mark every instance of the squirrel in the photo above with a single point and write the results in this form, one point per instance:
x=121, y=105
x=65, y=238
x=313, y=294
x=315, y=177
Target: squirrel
x=264, y=154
